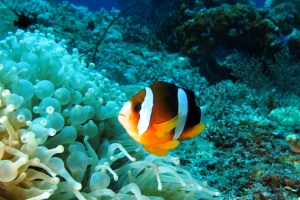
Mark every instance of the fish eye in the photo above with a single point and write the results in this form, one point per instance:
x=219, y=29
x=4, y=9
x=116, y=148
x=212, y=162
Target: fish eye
x=136, y=107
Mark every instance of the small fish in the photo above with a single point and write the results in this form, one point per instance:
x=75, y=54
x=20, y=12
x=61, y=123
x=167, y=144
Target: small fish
x=161, y=115
x=23, y=22
x=84, y=57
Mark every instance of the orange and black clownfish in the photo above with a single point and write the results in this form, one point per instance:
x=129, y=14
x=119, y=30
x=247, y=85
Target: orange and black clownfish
x=161, y=115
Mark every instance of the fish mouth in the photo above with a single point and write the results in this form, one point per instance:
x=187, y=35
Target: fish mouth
x=124, y=114
x=121, y=115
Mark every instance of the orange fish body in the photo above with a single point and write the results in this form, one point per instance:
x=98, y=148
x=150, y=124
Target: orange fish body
x=161, y=115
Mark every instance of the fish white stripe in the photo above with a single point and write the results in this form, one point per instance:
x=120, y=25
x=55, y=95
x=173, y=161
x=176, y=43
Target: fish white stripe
x=182, y=112
x=145, y=112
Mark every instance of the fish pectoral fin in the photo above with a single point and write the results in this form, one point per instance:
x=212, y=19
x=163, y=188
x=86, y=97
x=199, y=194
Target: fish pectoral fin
x=162, y=149
x=192, y=132
x=164, y=128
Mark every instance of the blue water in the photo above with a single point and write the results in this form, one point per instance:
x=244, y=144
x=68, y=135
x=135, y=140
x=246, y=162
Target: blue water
x=93, y=5
x=108, y=4
x=259, y=3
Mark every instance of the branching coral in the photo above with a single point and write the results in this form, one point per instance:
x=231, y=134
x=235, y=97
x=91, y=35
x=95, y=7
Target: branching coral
x=59, y=135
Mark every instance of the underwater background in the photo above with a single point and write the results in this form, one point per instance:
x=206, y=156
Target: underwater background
x=67, y=68
x=94, y=6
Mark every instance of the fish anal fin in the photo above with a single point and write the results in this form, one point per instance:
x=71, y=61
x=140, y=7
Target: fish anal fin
x=167, y=145
x=163, y=148
x=192, y=132
x=164, y=128
x=156, y=151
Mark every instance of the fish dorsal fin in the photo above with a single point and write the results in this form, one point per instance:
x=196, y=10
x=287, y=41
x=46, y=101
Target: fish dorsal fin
x=163, y=148
x=165, y=128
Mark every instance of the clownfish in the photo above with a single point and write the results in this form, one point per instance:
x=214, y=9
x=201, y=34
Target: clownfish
x=161, y=115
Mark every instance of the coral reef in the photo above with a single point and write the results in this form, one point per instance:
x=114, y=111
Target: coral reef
x=294, y=141
x=59, y=134
x=67, y=22
x=7, y=17
x=234, y=26
x=273, y=3
x=289, y=116
x=246, y=151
